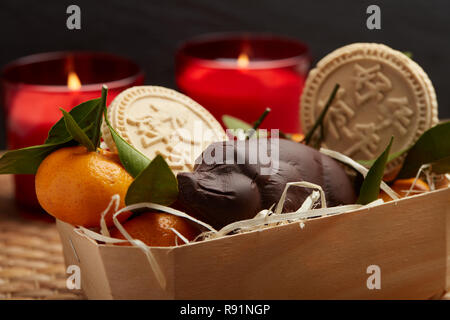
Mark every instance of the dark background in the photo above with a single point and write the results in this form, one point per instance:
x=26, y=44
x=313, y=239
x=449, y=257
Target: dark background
x=150, y=31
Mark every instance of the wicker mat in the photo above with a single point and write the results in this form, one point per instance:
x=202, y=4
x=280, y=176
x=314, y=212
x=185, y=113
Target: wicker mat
x=31, y=262
x=31, y=259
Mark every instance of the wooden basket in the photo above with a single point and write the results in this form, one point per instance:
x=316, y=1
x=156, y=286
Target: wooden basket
x=408, y=239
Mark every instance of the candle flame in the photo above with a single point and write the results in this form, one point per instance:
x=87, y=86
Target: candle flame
x=243, y=60
x=73, y=82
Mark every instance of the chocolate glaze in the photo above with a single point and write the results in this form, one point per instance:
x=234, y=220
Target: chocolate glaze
x=219, y=193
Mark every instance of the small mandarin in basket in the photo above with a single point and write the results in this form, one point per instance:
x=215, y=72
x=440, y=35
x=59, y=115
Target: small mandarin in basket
x=297, y=137
x=154, y=229
x=75, y=185
x=402, y=186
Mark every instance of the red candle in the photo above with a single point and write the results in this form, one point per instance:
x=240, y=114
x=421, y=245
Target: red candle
x=35, y=87
x=242, y=75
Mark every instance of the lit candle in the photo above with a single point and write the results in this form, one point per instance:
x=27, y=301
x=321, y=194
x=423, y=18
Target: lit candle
x=73, y=82
x=242, y=75
x=37, y=86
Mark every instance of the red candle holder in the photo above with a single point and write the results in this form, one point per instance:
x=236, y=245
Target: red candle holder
x=36, y=86
x=243, y=74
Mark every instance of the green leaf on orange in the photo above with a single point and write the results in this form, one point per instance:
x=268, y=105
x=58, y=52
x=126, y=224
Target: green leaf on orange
x=320, y=120
x=370, y=188
x=235, y=123
x=84, y=115
x=409, y=54
x=27, y=160
x=76, y=132
x=156, y=183
x=98, y=118
x=432, y=146
x=392, y=156
x=240, y=127
x=132, y=159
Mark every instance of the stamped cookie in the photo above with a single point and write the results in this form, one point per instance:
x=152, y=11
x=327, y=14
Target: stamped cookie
x=157, y=120
x=382, y=93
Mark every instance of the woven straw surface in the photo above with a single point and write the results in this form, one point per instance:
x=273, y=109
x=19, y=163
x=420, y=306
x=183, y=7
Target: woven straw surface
x=31, y=262
x=31, y=259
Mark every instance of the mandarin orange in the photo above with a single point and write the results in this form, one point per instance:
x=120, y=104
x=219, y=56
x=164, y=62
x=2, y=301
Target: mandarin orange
x=76, y=186
x=154, y=229
x=402, y=186
x=297, y=137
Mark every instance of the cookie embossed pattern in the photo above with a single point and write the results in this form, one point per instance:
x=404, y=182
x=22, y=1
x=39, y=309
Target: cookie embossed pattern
x=382, y=93
x=158, y=120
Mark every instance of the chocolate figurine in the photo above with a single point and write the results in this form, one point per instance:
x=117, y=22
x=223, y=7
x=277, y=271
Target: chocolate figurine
x=230, y=183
